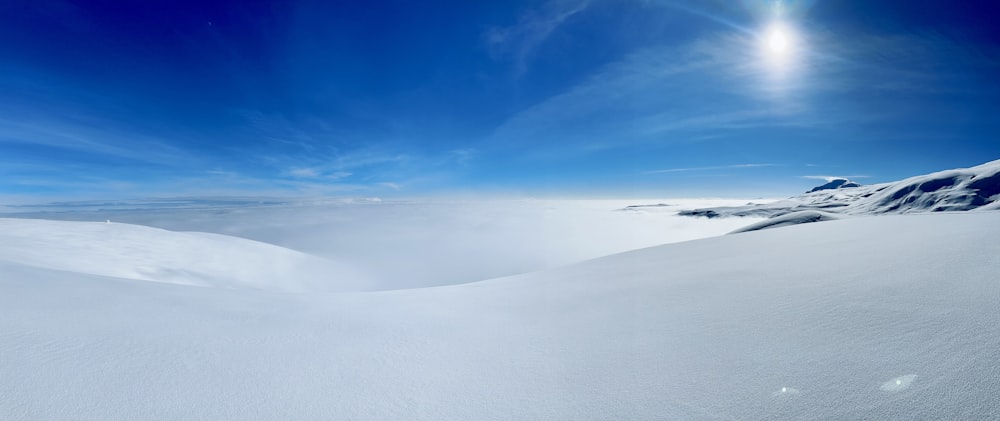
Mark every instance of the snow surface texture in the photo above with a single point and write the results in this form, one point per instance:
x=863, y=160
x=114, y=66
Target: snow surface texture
x=151, y=254
x=891, y=317
x=426, y=242
x=976, y=188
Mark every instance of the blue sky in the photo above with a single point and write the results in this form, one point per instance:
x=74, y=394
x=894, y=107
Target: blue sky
x=102, y=99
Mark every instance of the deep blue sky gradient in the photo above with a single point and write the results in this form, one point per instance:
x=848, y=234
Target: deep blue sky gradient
x=562, y=97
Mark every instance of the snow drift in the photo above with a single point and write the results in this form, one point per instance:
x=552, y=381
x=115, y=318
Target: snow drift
x=793, y=218
x=890, y=317
x=151, y=254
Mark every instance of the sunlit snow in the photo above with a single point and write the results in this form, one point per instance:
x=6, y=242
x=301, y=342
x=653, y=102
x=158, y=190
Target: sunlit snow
x=858, y=316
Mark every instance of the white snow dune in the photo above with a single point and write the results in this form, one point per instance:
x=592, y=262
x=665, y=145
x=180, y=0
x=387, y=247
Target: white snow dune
x=151, y=254
x=889, y=317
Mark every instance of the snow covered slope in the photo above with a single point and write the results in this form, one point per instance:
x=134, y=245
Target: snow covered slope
x=793, y=218
x=954, y=190
x=151, y=254
x=890, y=317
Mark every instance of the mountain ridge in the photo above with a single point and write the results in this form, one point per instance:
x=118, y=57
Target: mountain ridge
x=834, y=184
x=962, y=189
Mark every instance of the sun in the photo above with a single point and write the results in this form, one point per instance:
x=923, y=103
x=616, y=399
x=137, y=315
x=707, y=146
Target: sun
x=779, y=44
x=777, y=40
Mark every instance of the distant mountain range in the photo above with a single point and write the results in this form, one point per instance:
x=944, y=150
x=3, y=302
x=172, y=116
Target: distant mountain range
x=966, y=189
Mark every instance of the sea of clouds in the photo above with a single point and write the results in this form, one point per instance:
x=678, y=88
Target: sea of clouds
x=406, y=243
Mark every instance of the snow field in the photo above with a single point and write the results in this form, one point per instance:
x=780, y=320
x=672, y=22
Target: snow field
x=890, y=317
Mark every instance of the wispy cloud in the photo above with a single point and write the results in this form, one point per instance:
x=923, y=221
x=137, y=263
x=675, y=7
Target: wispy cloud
x=720, y=86
x=711, y=168
x=314, y=153
x=304, y=172
x=91, y=137
x=829, y=178
x=316, y=173
x=520, y=41
x=463, y=157
x=653, y=92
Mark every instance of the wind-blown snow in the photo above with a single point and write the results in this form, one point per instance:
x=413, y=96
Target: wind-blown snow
x=890, y=317
x=151, y=254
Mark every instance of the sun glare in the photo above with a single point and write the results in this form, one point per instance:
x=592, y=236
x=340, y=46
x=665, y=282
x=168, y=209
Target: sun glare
x=779, y=45
x=777, y=40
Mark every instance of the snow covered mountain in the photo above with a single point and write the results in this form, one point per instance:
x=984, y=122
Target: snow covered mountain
x=890, y=317
x=976, y=188
x=835, y=183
